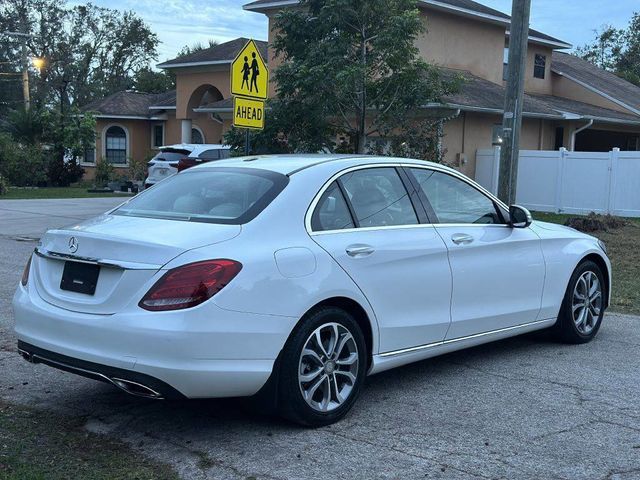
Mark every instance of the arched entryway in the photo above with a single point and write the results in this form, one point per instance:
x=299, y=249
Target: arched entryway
x=202, y=95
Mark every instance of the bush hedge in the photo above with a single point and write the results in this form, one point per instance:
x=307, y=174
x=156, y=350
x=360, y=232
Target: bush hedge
x=22, y=165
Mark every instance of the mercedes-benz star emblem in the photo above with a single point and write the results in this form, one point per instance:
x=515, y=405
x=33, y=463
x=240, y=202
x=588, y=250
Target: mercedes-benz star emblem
x=73, y=244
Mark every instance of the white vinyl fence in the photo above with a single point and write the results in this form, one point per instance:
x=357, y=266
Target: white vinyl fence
x=570, y=182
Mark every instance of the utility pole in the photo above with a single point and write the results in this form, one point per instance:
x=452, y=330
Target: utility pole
x=25, y=66
x=514, y=99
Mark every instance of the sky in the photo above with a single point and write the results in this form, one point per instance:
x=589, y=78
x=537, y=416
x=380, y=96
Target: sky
x=185, y=22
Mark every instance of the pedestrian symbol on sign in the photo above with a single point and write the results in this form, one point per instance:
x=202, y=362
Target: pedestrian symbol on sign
x=249, y=73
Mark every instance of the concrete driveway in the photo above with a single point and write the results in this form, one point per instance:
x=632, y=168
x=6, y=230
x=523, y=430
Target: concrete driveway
x=525, y=408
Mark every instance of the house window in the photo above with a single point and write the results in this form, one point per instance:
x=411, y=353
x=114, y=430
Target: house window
x=505, y=64
x=116, y=145
x=197, y=136
x=540, y=66
x=89, y=155
x=157, y=138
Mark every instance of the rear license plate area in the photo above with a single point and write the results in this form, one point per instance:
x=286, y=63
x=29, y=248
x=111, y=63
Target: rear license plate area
x=80, y=277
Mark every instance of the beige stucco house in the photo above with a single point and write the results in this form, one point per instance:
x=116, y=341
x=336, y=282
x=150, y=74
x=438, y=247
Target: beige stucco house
x=568, y=102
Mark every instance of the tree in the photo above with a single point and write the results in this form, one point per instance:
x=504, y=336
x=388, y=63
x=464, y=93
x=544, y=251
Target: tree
x=196, y=47
x=616, y=50
x=147, y=80
x=351, y=67
x=629, y=63
x=89, y=51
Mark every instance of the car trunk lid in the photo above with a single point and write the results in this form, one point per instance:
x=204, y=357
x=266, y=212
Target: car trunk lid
x=100, y=265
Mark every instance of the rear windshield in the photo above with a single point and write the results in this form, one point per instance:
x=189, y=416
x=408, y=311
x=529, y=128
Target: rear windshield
x=171, y=155
x=221, y=195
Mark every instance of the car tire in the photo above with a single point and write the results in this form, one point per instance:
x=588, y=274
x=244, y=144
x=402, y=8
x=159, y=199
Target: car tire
x=583, y=305
x=319, y=387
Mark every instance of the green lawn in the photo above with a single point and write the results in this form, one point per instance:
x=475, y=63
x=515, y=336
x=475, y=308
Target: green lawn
x=623, y=246
x=56, y=192
x=40, y=445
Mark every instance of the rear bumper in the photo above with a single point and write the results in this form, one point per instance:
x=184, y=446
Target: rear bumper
x=204, y=352
x=134, y=383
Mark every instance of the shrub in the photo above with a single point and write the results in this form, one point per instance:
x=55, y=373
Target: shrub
x=595, y=222
x=63, y=174
x=138, y=168
x=21, y=165
x=104, y=173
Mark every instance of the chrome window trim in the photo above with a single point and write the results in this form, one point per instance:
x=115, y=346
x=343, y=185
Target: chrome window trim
x=460, y=339
x=436, y=168
x=41, y=252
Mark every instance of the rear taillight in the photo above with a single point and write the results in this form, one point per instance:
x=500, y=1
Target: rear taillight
x=25, y=273
x=190, y=285
x=185, y=163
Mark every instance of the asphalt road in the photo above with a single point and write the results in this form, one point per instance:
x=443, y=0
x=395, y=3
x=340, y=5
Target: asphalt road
x=32, y=218
x=525, y=408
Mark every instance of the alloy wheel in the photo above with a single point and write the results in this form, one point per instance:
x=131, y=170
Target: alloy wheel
x=587, y=302
x=328, y=367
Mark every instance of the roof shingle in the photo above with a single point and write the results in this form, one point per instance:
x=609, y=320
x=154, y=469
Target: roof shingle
x=129, y=103
x=606, y=82
x=479, y=93
x=222, y=53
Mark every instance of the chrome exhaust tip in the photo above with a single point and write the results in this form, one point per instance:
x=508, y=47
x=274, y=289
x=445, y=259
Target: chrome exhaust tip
x=26, y=355
x=135, y=388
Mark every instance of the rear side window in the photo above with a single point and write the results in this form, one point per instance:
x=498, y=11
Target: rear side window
x=378, y=198
x=221, y=195
x=455, y=201
x=215, y=154
x=332, y=212
x=210, y=154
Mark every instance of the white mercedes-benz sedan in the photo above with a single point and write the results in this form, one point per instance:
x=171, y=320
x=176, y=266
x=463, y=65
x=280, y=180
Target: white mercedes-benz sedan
x=295, y=277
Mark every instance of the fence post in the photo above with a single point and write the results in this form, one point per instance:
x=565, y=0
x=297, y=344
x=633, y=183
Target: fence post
x=562, y=154
x=613, y=167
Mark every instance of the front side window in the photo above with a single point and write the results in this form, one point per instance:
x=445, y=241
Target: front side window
x=116, y=145
x=332, y=212
x=222, y=195
x=455, y=201
x=540, y=66
x=378, y=198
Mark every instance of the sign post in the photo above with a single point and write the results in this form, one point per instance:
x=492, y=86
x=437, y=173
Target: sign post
x=250, y=89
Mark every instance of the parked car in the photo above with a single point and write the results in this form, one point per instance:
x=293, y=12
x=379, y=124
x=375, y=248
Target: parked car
x=175, y=158
x=294, y=277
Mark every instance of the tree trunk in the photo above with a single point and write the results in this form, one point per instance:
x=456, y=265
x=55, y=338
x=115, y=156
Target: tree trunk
x=362, y=143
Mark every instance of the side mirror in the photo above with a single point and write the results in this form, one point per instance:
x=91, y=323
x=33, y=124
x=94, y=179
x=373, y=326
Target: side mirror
x=519, y=217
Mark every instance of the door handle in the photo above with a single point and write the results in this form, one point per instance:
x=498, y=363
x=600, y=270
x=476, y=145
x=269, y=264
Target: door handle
x=359, y=250
x=462, y=239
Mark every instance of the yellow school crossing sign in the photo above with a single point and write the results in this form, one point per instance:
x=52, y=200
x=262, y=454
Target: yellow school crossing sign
x=249, y=87
x=249, y=73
